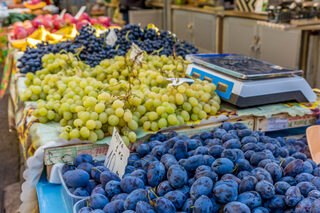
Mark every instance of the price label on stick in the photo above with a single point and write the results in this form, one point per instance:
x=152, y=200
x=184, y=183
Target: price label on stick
x=111, y=38
x=82, y=9
x=62, y=13
x=117, y=155
x=136, y=53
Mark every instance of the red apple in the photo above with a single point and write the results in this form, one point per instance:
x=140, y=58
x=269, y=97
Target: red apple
x=106, y=21
x=94, y=21
x=84, y=16
x=20, y=32
x=48, y=24
x=30, y=30
x=37, y=22
x=55, y=16
x=81, y=23
x=69, y=18
x=58, y=23
x=17, y=24
x=48, y=16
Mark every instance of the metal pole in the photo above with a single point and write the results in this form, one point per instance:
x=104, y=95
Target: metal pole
x=167, y=14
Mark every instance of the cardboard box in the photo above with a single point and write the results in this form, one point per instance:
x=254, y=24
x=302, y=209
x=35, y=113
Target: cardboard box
x=66, y=154
x=283, y=121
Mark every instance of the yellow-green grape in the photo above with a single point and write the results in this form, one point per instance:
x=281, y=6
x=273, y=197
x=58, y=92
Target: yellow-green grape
x=193, y=101
x=162, y=122
x=99, y=133
x=103, y=117
x=194, y=117
x=64, y=135
x=90, y=124
x=179, y=99
x=113, y=120
x=154, y=126
x=119, y=112
x=152, y=116
x=77, y=122
x=93, y=137
x=172, y=119
x=84, y=132
x=146, y=125
x=74, y=134
x=43, y=112
x=117, y=104
x=202, y=114
x=133, y=124
x=127, y=116
x=99, y=108
x=185, y=115
x=94, y=116
x=50, y=115
x=132, y=136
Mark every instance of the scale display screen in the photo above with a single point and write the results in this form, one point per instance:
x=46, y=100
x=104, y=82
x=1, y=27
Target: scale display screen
x=241, y=66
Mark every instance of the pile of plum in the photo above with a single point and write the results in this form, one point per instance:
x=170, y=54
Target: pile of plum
x=231, y=169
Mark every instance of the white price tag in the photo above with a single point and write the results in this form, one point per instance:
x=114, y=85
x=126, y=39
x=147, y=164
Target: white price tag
x=62, y=13
x=117, y=155
x=277, y=124
x=178, y=81
x=111, y=38
x=136, y=53
x=82, y=9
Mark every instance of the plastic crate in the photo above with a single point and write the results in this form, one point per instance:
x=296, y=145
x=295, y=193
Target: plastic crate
x=69, y=198
x=79, y=205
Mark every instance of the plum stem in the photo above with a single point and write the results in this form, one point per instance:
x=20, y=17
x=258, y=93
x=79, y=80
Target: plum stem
x=281, y=162
x=94, y=168
x=153, y=193
x=235, y=168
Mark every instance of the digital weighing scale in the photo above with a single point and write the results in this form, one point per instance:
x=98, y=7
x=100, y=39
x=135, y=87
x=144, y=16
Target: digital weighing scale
x=245, y=81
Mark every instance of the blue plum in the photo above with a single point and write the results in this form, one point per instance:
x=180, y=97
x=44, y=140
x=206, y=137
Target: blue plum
x=251, y=198
x=265, y=189
x=129, y=184
x=144, y=207
x=176, y=197
x=155, y=173
x=177, y=176
x=98, y=201
x=203, y=205
x=222, y=166
x=164, y=205
x=114, y=207
x=293, y=196
x=202, y=186
x=76, y=178
x=112, y=188
x=235, y=206
x=134, y=197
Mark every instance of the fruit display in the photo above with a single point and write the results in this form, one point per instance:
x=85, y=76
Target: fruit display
x=53, y=23
x=230, y=169
x=119, y=92
x=95, y=49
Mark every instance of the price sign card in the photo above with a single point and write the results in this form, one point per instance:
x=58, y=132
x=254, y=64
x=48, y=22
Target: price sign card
x=136, y=53
x=117, y=155
x=111, y=38
x=275, y=124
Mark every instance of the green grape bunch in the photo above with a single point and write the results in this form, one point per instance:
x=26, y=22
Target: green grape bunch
x=118, y=93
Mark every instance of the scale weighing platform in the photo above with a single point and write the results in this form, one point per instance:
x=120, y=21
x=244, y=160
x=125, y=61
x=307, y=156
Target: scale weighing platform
x=244, y=81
